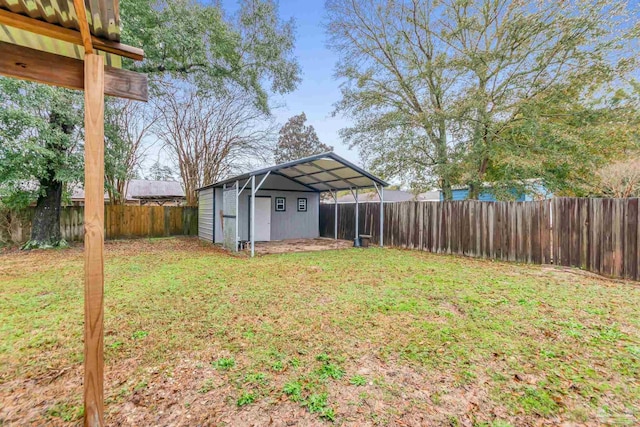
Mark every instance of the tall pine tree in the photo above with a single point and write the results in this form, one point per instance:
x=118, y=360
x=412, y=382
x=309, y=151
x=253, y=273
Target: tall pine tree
x=298, y=140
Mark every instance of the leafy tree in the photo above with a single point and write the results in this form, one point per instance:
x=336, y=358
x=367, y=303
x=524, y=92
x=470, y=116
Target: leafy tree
x=298, y=140
x=188, y=40
x=434, y=85
x=563, y=140
x=183, y=40
x=223, y=61
x=40, y=151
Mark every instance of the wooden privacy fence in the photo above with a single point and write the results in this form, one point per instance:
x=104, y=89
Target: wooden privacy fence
x=120, y=222
x=599, y=235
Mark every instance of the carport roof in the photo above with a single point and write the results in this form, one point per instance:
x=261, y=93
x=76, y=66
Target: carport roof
x=322, y=172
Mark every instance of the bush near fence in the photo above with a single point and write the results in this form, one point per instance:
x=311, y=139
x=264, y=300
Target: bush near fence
x=599, y=235
x=121, y=222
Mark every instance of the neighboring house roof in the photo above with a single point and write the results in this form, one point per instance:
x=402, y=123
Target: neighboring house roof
x=372, y=196
x=140, y=189
x=322, y=172
x=429, y=196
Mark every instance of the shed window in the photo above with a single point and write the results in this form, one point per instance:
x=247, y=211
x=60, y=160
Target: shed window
x=281, y=204
x=302, y=204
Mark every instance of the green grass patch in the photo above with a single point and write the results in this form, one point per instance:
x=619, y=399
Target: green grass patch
x=538, y=342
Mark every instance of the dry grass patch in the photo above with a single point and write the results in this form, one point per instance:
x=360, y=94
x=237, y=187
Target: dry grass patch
x=353, y=337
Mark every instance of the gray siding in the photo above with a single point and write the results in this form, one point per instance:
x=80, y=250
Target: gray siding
x=205, y=215
x=290, y=224
x=217, y=215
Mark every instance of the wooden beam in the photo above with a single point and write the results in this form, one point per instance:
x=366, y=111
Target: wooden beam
x=93, y=240
x=67, y=35
x=35, y=65
x=125, y=84
x=85, y=32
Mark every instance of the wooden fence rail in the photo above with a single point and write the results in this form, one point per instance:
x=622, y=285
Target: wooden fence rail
x=599, y=235
x=120, y=222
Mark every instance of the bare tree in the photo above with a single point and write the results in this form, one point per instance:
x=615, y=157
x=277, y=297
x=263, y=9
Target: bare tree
x=127, y=125
x=620, y=179
x=209, y=137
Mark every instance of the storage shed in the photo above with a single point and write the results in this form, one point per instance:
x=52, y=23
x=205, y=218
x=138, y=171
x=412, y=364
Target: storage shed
x=286, y=203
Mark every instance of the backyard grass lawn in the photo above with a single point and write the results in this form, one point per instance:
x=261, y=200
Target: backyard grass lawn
x=194, y=336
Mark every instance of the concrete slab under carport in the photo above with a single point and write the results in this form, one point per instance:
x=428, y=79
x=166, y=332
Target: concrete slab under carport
x=299, y=245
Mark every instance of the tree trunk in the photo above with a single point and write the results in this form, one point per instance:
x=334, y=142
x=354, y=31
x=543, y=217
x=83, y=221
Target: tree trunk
x=447, y=192
x=45, y=228
x=476, y=186
x=443, y=169
x=474, y=191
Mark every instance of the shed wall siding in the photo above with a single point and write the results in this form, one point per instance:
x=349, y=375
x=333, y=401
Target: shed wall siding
x=217, y=215
x=289, y=224
x=205, y=215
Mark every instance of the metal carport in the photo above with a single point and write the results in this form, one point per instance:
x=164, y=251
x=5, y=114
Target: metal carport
x=326, y=172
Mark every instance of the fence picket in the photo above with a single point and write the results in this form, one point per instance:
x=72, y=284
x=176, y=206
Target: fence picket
x=119, y=222
x=600, y=235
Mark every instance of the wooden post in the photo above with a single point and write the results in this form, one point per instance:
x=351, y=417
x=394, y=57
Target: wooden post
x=93, y=239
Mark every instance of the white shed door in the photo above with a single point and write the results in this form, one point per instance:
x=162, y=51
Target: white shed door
x=263, y=219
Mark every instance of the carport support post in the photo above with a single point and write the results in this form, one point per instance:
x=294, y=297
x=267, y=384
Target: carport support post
x=335, y=214
x=237, y=214
x=253, y=214
x=357, y=219
x=381, y=215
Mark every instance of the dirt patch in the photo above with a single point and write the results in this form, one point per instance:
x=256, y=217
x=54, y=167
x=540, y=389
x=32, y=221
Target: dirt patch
x=299, y=245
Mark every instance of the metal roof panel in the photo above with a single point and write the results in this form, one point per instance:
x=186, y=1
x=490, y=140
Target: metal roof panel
x=317, y=172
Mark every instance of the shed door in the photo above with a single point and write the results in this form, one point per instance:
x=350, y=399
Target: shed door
x=263, y=219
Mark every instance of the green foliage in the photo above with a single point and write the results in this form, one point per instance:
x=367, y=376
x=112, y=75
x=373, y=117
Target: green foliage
x=358, y=380
x=298, y=140
x=293, y=389
x=538, y=401
x=469, y=316
x=246, y=398
x=66, y=412
x=258, y=378
x=317, y=403
x=224, y=363
x=330, y=370
x=40, y=139
x=138, y=335
x=564, y=136
x=189, y=40
x=460, y=92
